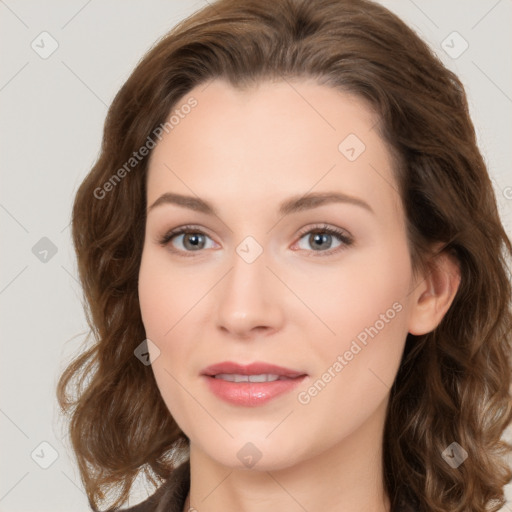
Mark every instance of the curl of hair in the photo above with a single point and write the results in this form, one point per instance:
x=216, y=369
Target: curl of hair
x=453, y=384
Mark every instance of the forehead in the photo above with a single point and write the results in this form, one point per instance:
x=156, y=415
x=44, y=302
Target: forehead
x=274, y=138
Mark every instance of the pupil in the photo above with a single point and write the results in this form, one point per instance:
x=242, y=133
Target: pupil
x=318, y=237
x=193, y=240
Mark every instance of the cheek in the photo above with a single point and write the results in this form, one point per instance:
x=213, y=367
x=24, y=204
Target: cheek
x=168, y=299
x=163, y=308
x=369, y=290
x=152, y=298
x=355, y=371
x=165, y=294
x=367, y=308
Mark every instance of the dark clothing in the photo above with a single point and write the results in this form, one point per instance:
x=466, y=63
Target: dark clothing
x=170, y=496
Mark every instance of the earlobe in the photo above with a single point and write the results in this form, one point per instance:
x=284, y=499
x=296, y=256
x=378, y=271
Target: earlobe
x=435, y=293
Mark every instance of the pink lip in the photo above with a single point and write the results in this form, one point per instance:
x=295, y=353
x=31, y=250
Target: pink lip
x=250, y=394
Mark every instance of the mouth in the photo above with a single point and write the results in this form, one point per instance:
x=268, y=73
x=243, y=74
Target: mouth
x=251, y=385
x=254, y=372
x=262, y=377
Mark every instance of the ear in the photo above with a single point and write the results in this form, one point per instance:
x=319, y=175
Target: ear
x=434, y=293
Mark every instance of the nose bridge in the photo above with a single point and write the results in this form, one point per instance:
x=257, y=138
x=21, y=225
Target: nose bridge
x=249, y=298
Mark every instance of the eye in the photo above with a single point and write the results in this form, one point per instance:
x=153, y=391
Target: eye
x=321, y=240
x=190, y=238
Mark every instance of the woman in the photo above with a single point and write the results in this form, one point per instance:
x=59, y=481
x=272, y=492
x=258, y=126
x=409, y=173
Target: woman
x=295, y=273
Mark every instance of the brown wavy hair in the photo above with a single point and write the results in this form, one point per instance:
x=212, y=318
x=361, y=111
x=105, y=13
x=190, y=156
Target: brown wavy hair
x=453, y=384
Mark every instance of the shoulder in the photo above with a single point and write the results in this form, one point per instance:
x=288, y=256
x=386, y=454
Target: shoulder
x=170, y=496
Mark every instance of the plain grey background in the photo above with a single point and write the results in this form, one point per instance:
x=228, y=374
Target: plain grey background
x=53, y=107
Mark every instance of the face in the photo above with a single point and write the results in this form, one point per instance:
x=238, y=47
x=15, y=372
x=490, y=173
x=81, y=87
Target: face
x=303, y=264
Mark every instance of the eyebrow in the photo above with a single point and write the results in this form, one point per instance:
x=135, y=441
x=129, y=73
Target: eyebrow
x=291, y=205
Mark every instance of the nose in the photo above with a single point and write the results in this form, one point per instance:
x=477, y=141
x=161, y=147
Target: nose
x=250, y=300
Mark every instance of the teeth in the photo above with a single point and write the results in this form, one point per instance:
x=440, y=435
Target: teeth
x=235, y=377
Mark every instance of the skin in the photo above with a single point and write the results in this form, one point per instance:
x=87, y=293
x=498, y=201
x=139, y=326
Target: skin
x=294, y=306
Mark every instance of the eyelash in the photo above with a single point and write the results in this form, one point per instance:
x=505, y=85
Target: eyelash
x=346, y=240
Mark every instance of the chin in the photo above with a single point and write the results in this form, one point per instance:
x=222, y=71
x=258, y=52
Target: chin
x=255, y=452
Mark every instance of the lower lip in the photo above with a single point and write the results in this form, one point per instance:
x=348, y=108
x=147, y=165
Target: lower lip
x=250, y=394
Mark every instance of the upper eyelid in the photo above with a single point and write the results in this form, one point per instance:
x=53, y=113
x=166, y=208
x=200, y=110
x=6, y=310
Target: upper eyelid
x=199, y=229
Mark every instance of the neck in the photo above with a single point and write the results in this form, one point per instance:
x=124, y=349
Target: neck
x=347, y=477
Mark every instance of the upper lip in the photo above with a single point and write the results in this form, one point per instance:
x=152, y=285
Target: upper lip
x=255, y=368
